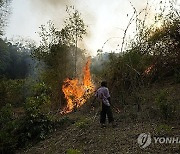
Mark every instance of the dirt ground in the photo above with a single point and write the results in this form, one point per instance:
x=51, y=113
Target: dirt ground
x=88, y=137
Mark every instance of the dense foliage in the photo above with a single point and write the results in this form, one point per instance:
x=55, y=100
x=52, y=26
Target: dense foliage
x=29, y=102
x=153, y=56
x=59, y=52
x=15, y=60
x=153, y=47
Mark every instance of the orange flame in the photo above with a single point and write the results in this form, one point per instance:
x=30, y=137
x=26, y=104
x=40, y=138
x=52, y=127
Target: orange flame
x=77, y=91
x=149, y=69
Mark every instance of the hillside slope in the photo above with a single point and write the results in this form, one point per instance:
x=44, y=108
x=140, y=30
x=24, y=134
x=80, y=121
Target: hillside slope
x=86, y=136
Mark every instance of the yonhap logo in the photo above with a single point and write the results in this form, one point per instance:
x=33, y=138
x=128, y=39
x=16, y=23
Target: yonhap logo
x=144, y=140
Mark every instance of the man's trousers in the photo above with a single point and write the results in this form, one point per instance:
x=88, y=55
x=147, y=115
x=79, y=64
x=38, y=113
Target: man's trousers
x=106, y=110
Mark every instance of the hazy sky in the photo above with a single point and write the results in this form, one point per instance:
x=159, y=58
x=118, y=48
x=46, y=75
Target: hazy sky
x=105, y=18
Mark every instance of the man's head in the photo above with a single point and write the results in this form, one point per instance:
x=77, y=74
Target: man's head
x=104, y=84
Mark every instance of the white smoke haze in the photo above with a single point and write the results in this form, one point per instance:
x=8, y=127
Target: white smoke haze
x=105, y=19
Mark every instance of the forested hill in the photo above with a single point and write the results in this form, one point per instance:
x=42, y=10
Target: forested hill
x=16, y=62
x=47, y=90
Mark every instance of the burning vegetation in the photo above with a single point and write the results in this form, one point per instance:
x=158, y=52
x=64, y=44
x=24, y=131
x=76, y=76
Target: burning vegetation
x=77, y=91
x=149, y=70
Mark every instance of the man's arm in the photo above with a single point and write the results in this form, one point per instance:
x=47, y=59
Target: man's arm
x=108, y=96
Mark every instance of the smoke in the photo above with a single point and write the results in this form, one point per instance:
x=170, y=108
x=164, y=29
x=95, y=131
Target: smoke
x=55, y=10
x=105, y=18
x=50, y=3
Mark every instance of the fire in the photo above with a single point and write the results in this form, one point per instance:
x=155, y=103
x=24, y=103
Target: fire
x=77, y=91
x=149, y=69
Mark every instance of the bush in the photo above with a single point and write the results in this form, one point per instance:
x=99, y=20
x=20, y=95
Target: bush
x=73, y=151
x=82, y=123
x=163, y=129
x=6, y=115
x=35, y=125
x=37, y=122
x=8, y=140
x=11, y=91
x=177, y=77
x=34, y=128
x=166, y=109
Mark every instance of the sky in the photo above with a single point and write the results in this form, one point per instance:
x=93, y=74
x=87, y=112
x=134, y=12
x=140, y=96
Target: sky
x=106, y=19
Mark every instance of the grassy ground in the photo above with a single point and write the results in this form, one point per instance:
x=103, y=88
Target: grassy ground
x=86, y=136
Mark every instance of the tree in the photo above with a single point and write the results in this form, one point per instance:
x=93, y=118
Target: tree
x=75, y=29
x=58, y=51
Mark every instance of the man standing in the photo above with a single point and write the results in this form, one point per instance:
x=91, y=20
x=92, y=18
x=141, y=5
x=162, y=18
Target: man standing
x=103, y=95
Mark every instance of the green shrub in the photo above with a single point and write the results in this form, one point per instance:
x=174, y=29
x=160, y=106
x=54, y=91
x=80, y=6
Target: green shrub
x=35, y=125
x=37, y=122
x=8, y=140
x=163, y=129
x=34, y=128
x=6, y=115
x=177, y=77
x=165, y=107
x=73, y=151
x=82, y=123
x=11, y=91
